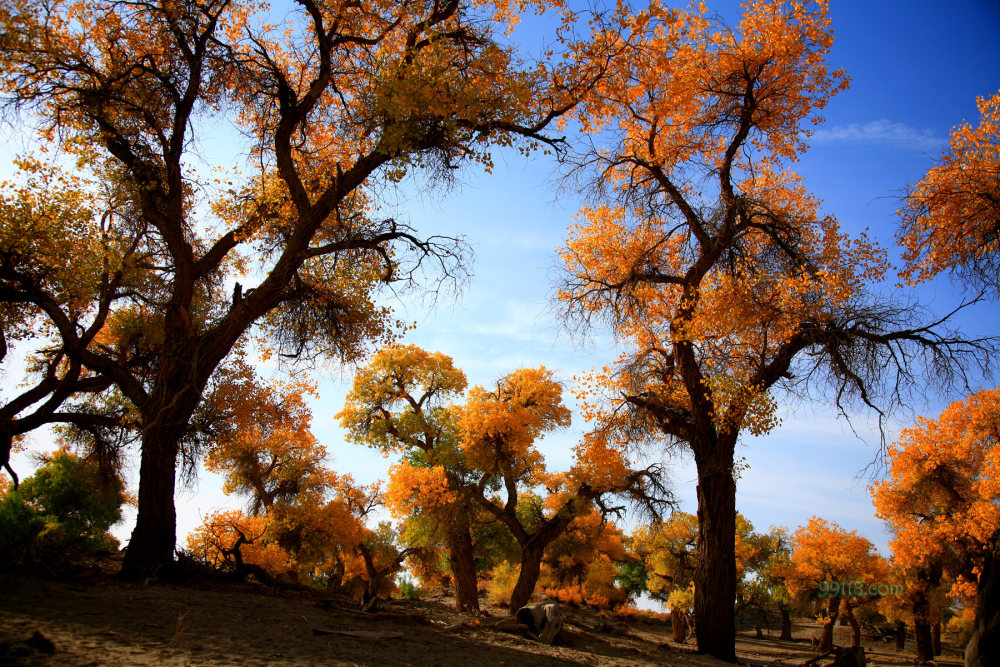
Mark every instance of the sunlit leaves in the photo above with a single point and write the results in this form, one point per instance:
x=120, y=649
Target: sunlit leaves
x=940, y=498
x=824, y=553
x=950, y=218
x=499, y=427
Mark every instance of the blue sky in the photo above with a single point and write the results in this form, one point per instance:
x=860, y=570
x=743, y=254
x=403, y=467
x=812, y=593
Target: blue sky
x=916, y=68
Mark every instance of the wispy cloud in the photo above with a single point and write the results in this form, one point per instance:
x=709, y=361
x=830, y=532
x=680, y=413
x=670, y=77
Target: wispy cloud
x=885, y=132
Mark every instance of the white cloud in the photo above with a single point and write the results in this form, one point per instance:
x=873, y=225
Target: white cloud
x=884, y=131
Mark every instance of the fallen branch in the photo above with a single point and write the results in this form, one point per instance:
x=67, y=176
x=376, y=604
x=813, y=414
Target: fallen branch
x=365, y=634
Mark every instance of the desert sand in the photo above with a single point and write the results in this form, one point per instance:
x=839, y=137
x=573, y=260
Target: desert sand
x=96, y=620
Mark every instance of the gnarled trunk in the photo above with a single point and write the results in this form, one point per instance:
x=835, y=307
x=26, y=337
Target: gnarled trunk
x=458, y=536
x=166, y=412
x=715, y=574
x=855, y=627
x=527, y=578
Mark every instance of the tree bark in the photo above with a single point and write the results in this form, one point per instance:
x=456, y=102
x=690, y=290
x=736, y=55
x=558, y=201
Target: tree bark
x=527, y=578
x=984, y=646
x=678, y=623
x=855, y=627
x=832, y=611
x=463, y=567
x=900, y=636
x=922, y=635
x=786, y=625
x=150, y=551
x=936, y=638
x=715, y=574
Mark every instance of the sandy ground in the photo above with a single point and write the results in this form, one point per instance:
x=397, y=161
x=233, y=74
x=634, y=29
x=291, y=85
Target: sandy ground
x=99, y=621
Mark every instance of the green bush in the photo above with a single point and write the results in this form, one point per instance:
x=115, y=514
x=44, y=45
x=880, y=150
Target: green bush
x=63, y=511
x=20, y=525
x=408, y=590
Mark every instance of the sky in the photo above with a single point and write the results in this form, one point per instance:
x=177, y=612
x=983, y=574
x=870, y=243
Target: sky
x=916, y=68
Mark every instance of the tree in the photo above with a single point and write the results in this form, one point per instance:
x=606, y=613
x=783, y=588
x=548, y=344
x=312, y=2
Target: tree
x=333, y=100
x=399, y=404
x=669, y=552
x=714, y=266
x=482, y=454
x=828, y=562
x=497, y=439
x=940, y=501
x=950, y=220
x=304, y=522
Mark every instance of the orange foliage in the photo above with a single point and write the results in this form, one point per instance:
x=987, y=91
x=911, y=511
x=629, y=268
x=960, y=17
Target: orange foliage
x=940, y=503
x=939, y=499
x=824, y=554
x=499, y=428
x=949, y=218
x=415, y=489
x=230, y=535
x=579, y=565
x=306, y=521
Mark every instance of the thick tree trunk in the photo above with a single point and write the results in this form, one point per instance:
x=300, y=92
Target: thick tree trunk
x=936, y=638
x=900, y=636
x=463, y=566
x=166, y=412
x=925, y=645
x=527, y=578
x=715, y=575
x=922, y=625
x=150, y=551
x=832, y=611
x=984, y=646
x=786, y=625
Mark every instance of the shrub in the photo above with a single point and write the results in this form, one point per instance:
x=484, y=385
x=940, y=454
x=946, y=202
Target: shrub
x=61, y=512
x=501, y=583
x=408, y=589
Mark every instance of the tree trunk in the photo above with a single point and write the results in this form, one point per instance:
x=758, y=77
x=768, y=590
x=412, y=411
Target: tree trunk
x=832, y=611
x=922, y=635
x=786, y=625
x=922, y=623
x=166, y=412
x=463, y=566
x=900, y=636
x=936, y=638
x=984, y=646
x=150, y=551
x=855, y=627
x=678, y=623
x=527, y=577
x=715, y=575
